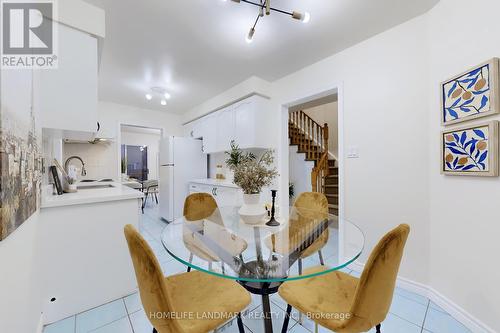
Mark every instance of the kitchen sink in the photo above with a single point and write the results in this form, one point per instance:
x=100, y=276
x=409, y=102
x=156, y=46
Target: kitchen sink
x=93, y=187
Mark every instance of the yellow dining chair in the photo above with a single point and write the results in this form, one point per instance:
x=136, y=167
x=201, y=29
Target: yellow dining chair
x=199, y=206
x=183, y=303
x=310, y=207
x=343, y=303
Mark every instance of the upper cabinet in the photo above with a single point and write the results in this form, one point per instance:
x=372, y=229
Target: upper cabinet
x=66, y=97
x=244, y=121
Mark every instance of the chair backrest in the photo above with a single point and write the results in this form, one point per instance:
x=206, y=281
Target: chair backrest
x=153, y=288
x=376, y=286
x=311, y=202
x=198, y=206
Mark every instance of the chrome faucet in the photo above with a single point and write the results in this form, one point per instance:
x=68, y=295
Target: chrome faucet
x=66, y=164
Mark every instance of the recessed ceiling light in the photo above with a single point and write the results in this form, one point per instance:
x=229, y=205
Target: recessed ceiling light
x=149, y=97
x=167, y=95
x=163, y=102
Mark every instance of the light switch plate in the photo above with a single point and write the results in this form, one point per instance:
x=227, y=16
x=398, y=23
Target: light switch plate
x=352, y=152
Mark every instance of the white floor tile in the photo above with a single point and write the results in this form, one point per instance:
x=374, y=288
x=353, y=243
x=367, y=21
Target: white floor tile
x=440, y=322
x=407, y=309
x=64, y=326
x=140, y=322
x=100, y=316
x=119, y=326
x=395, y=324
x=133, y=303
x=414, y=297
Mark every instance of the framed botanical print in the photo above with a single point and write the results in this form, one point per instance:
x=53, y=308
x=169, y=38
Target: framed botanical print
x=472, y=94
x=470, y=150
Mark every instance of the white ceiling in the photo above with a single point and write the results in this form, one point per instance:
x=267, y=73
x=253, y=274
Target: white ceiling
x=196, y=48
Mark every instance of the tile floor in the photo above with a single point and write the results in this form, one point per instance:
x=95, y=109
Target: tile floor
x=409, y=312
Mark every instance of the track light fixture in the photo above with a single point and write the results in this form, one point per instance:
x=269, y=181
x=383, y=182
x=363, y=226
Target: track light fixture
x=265, y=7
x=158, y=92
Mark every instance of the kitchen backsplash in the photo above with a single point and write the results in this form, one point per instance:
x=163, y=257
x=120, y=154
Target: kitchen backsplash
x=100, y=159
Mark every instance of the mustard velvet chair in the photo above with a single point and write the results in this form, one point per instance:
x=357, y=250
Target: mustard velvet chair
x=199, y=206
x=308, y=206
x=196, y=293
x=357, y=304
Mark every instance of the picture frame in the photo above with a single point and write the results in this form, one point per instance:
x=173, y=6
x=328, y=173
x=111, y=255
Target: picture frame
x=470, y=150
x=472, y=94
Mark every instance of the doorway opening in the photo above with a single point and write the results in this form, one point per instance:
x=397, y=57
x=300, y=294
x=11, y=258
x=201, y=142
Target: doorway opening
x=139, y=152
x=313, y=149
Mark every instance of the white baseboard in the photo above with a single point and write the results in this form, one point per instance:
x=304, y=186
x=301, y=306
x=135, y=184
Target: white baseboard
x=39, y=328
x=468, y=320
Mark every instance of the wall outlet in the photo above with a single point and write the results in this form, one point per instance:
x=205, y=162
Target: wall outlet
x=352, y=152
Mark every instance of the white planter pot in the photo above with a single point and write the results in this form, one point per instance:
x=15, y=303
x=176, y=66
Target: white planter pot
x=252, y=212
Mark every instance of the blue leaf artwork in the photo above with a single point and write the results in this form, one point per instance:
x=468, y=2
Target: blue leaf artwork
x=467, y=95
x=466, y=150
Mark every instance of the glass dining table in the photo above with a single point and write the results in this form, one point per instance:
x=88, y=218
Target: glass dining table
x=260, y=257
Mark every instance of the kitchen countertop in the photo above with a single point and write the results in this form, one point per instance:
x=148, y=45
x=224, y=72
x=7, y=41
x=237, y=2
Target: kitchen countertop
x=214, y=182
x=87, y=196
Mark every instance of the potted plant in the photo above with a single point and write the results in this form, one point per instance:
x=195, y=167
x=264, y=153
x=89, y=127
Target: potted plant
x=251, y=174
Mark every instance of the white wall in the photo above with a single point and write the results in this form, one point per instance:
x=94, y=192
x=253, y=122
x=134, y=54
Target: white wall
x=327, y=113
x=387, y=185
x=20, y=301
x=112, y=116
x=464, y=213
x=300, y=171
x=152, y=141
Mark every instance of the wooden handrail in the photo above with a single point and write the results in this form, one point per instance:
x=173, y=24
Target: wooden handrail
x=315, y=143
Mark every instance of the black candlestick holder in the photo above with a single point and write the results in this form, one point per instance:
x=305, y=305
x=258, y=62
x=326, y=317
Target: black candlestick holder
x=272, y=222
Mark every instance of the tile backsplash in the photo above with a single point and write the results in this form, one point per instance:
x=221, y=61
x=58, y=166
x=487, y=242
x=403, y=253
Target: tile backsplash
x=100, y=159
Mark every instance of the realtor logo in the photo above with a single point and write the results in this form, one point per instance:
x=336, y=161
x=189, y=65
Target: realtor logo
x=28, y=34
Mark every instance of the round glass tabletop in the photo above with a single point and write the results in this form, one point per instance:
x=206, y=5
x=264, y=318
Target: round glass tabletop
x=223, y=244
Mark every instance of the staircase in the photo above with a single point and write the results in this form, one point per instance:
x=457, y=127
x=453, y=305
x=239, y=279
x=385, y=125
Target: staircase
x=312, y=140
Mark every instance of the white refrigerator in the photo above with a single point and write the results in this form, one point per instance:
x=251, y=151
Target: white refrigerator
x=181, y=160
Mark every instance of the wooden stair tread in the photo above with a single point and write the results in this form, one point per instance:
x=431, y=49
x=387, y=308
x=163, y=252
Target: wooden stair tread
x=330, y=185
x=331, y=195
x=333, y=206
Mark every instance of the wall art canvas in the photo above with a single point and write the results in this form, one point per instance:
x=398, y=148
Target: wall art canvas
x=472, y=94
x=471, y=150
x=20, y=158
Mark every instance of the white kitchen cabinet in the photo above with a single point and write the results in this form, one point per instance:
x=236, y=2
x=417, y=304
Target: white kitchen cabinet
x=66, y=97
x=252, y=123
x=224, y=195
x=225, y=128
x=246, y=122
x=209, y=133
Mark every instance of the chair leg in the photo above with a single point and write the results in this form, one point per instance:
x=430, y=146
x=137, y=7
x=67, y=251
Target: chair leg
x=378, y=328
x=156, y=197
x=190, y=261
x=301, y=320
x=241, y=328
x=316, y=329
x=287, y=318
x=322, y=262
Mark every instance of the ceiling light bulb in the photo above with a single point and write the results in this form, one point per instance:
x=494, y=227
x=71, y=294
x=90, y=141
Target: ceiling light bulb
x=149, y=97
x=163, y=102
x=306, y=17
x=249, y=38
x=167, y=95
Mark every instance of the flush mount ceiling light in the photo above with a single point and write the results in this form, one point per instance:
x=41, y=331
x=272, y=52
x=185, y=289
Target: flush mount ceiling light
x=158, y=92
x=265, y=7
